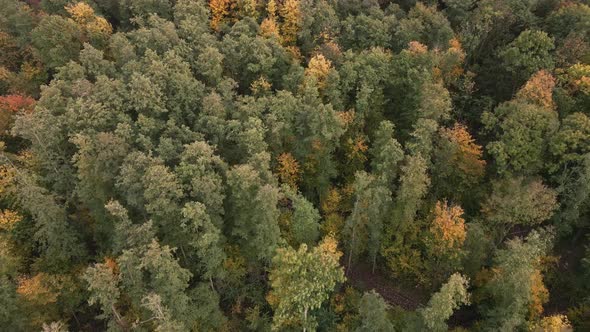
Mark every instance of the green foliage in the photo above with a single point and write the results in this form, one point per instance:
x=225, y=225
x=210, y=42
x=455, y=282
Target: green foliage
x=301, y=280
x=426, y=25
x=442, y=304
x=171, y=165
x=510, y=291
x=522, y=131
x=373, y=311
x=527, y=54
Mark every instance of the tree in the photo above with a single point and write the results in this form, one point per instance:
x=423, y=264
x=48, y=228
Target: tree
x=448, y=227
x=527, y=54
x=401, y=232
x=386, y=154
x=518, y=201
x=290, y=12
x=521, y=131
x=288, y=170
x=318, y=131
x=252, y=212
x=571, y=142
x=414, y=182
x=57, y=39
x=451, y=296
x=458, y=163
x=511, y=291
x=96, y=29
x=373, y=311
x=304, y=219
x=219, y=10
x=364, y=227
x=426, y=25
x=97, y=161
x=204, y=238
x=148, y=276
x=301, y=280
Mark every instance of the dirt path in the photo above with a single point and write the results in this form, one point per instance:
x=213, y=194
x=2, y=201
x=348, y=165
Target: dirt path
x=362, y=278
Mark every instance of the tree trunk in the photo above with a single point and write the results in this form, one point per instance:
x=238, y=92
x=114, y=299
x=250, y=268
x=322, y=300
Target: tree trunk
x=305, y=319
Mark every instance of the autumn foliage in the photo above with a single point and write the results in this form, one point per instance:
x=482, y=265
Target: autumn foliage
x=448, y=226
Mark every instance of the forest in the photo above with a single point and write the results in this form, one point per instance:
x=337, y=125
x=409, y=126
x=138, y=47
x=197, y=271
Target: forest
x=295, y=165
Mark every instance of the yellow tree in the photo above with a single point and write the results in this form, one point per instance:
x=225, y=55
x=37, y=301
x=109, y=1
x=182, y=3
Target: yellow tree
x=288, y=169
x=269, y=28
x=219, y=11
x=467, y=155
x=539, y=89
x=95, y=28
x=319, y=68
x=290, y=12
x=448, y=227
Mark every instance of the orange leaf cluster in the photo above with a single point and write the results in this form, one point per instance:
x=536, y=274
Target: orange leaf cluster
x=468, y=156
x=540, y=295
x=539, y=89
x=416, y=47
x=37, y=290
x=357, y=149
x=16, y=103
x=219, y=11
x=448, y=225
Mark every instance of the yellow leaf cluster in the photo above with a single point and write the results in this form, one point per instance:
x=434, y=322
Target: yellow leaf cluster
x=288, y=169
x=37, y=290
x=540, y=295
x=319, y=67
x=468, y=156
x=260, y=86
x=329, y=248
x=554, y=323
x=219, y=11
x=8, y=219
x=269, y=28
x=291, y=13
x=84, y=15
x=539, y=89
x=7, y=175
x=577, y=77
x=271, y=9
x=448, y=225
x=334, y=223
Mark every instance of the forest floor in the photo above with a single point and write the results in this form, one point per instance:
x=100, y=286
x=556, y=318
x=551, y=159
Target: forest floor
x=407, y=297
x=362, y=277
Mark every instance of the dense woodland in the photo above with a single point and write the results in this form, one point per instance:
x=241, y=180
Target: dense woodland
x=294, y=165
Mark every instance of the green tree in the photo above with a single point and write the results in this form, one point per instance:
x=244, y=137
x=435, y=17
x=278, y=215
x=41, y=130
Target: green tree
x=304, y=220
x=441, y=305
x=386, y=154
x=301, y=280
x=373, y=310
x=518, y=201
x=252, y=212
x=57, y=39
x=426, y=25
x=365, y=226
x=511, y=292
x=527, y=54
x=521, y=131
